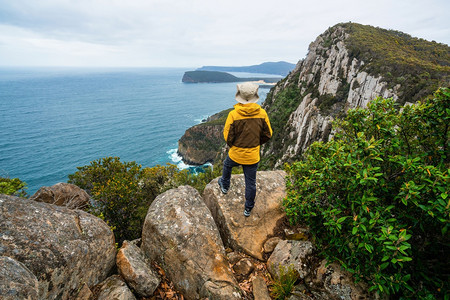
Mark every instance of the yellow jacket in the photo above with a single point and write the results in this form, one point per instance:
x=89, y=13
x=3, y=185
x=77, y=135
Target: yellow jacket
x=247, y=127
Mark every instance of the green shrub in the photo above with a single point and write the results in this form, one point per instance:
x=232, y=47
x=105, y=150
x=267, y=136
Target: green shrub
x=376, y=196
x=13, y=186
x=123, y=191
x=282, y=286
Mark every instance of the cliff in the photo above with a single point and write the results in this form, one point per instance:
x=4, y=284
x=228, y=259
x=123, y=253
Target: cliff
x=203, y=143
x=346, y=67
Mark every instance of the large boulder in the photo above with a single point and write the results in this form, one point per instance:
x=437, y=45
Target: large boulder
x=237, y=231
x=16, y=281
x=62, y=194
x=63, y=248
x=180, y=234
x=136, y=270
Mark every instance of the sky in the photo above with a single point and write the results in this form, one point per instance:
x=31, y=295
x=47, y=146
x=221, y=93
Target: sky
x=193, y=33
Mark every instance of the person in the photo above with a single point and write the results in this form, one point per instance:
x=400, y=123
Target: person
x=247, y=127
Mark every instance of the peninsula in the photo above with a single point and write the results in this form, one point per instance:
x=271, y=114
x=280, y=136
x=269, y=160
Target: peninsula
x=216, y=77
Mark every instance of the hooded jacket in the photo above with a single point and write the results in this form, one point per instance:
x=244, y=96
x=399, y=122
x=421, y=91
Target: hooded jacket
x=246, y=128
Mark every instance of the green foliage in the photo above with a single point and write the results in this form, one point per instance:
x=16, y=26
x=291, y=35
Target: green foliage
x=279, y=108
x=282, y=286
x=123, y=191
x=376, y=197
x=13, y=186
x=418, y=65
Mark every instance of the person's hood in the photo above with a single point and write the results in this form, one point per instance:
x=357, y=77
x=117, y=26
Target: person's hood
x=247, y=110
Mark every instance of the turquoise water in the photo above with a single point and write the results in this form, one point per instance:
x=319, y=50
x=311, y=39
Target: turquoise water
x=54, y=119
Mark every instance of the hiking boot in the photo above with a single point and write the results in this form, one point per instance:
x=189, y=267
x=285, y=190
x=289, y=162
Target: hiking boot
x=247, y=212
x=224, y=190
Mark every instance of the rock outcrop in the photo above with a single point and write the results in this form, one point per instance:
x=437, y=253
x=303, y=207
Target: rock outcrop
x=62, y=194
x=180, y=235
x=346, y=67
x=204, y=142
x=63, y=248
x=328, y=82
x=199, y=144
x=237, y=231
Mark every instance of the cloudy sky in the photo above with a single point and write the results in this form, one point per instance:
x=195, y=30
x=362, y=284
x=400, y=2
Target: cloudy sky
x=193, y=33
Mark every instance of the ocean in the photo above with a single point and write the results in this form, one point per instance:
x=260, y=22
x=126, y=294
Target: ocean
x=53, y=120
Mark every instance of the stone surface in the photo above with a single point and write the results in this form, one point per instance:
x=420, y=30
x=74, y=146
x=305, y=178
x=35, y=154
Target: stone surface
x=234, y=257
x=63, y=248
x=62, y=194
x=338, y=283
x=16, y=281
x=243, y=267
x=180, y=234
x=260, y=291
x=271, y=243
x=247, y=234
x=136, y=270
x=114, y=288
x=85, y=293
x=291, y=253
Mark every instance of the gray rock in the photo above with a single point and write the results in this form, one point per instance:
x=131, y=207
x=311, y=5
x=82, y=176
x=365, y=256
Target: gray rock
x=62, y=194
x=338, y=283
x=16, y=281
x=290, y=253
x=114, y=288
x=239, y=232
x=136, y=270
x=63, y=248
x=260, y=291
x=180, y=234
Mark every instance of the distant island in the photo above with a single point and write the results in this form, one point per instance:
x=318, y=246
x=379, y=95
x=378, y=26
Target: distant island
x=276, y=68
x=217, y=77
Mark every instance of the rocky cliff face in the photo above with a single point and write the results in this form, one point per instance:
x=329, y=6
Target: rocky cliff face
x=333, y=78
x=203, y=143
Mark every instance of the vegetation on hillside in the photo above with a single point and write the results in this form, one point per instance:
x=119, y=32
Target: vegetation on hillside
x=419, y=66
x=376, y=197
x=279, y=109
x=123, y=191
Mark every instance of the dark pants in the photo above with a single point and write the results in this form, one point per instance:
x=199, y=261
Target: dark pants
x=250, y=179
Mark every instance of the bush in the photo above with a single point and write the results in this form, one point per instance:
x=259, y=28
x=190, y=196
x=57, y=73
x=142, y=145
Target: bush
x=376, y=197
x=282, y=286
x=123, y=191
x=13, y=186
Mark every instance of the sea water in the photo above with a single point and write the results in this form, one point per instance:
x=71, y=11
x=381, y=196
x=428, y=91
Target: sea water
x=53, y=120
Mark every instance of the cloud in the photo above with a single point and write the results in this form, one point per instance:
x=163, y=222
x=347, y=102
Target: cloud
x=192, y=32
